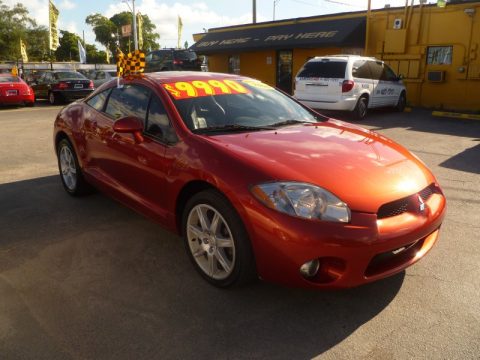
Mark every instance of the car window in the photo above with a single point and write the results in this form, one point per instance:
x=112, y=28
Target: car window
x=388, y=74
x=98, y=101
x=129, y=100
x=48, y=77
x=155, y=56
x=376, y=69
x=112, y=73
x=158, y=125
x=185, y=55
x=100, y=75
x=69, y=75
x=6, y=79
x=361, y=70
x=323, y=69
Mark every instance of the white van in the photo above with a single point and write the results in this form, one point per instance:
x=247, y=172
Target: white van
x=349, y=83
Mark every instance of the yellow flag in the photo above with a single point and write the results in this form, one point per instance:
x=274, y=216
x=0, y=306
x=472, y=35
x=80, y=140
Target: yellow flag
x=140, y=30
x=14, y=70
x=53, y=18
x=180, y=27
x=23, y=51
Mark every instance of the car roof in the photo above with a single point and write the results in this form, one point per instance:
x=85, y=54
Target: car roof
x=343, y=57
x=174, y=76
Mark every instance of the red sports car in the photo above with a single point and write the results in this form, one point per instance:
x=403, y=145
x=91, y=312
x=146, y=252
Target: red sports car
x=258, y=185
x=15, y=91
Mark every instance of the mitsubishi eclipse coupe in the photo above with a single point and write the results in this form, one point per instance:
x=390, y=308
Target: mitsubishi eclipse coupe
x=257, y=185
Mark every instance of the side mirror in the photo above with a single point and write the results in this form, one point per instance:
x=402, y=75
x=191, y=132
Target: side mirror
x=129, y=125
x=399, y=77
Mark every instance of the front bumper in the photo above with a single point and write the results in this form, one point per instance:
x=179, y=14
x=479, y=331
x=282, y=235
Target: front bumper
x=351, y=254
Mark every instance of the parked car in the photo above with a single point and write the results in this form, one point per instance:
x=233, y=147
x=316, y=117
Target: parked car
x=349, y=83
x=15, y=91
x=101, y=76
x=172, y=59
x=62, y=85
x=257, y=184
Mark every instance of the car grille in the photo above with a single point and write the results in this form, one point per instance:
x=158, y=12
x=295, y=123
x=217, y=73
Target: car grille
x=400, y=206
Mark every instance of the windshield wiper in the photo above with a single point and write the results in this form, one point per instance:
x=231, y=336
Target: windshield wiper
x=232, y=128
x=291, y=122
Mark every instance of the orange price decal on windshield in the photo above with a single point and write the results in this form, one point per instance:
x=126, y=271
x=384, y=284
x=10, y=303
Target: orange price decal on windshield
x=196, y=88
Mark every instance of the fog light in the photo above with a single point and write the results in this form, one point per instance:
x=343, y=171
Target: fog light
x=310, y=268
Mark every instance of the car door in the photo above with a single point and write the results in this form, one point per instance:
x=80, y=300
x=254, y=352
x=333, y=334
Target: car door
x=41, y=87
x=362, y=77
x=379, y=95
x=393, y=84
x=137, y=169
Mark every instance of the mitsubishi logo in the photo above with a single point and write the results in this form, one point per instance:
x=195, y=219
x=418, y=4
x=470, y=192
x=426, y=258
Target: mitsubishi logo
x=421, y=204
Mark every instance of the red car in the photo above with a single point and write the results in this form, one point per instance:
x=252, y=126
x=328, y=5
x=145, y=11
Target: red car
x=258, y=185
x=15, y=91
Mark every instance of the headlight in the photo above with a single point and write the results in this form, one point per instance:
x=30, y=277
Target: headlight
x=302, y=200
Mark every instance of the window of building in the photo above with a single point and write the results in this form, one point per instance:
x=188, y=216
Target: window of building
x=439, y=55
x=234, y=64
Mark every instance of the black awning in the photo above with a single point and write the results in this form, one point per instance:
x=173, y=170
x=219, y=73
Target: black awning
x=342, y=33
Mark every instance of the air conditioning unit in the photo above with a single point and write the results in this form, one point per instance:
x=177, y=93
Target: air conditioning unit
x=397, y=24
x=436, y=76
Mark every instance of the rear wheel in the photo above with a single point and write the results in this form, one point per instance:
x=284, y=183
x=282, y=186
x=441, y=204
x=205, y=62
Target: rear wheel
x=360, y=111
x=52, y=98
x=216, y=240
x=70, y=172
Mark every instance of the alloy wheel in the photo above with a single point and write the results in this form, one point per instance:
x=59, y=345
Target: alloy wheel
x=68, y=168
x=210, y=241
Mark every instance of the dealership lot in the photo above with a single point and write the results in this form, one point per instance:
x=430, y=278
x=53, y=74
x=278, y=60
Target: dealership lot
x=89, y=278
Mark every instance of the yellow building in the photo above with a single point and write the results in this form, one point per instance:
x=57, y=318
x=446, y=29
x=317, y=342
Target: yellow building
x=435, y=49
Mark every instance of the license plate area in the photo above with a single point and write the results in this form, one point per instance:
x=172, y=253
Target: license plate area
x=12, y=92
x=78, y=86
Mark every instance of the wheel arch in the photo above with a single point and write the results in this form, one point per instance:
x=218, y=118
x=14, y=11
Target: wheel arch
x=189, y=190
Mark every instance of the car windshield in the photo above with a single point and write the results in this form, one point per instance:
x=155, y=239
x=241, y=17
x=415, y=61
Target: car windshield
x=8, y=79
x=69, y=75
x=235, y=105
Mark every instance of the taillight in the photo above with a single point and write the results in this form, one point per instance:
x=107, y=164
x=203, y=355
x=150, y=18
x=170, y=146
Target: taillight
x=90, y=84
x=177, y=62
x=62, y=85
x=347, y=85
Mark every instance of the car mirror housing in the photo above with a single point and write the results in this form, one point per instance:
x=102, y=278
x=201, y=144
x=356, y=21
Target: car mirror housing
x=131, y=125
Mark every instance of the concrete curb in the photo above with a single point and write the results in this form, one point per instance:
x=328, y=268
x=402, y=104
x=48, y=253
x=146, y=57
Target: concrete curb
x=456, y=115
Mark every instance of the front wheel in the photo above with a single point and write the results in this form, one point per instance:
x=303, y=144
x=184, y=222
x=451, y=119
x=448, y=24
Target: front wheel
x=70, y=172
x=216, y=240
x=402, y=102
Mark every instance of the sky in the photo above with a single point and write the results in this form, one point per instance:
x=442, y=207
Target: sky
x=196, y=15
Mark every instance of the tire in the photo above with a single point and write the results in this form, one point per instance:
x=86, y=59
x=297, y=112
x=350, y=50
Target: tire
x=402, y=102
x=70, y=171
x=52, y=98
x=360, y=111
x=207, y=218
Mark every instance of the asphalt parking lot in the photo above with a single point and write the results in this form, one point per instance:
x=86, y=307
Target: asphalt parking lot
x=90, y=279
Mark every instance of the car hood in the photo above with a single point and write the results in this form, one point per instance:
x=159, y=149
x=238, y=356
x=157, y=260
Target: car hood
x=361, y=167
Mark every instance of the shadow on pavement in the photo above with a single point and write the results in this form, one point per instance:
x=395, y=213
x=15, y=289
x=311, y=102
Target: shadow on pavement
x=89, y=278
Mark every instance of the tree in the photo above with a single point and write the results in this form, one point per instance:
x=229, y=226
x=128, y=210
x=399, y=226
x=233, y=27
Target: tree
x=107, y=31
x=15, y=24
x=95, y=56
x=68, y=48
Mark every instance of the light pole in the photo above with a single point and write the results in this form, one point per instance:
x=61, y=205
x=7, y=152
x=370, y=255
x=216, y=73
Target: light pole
x=132, y=9
x=274, y=5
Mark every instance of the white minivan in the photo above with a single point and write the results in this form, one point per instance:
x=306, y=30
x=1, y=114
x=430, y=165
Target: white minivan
x=349, y=83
